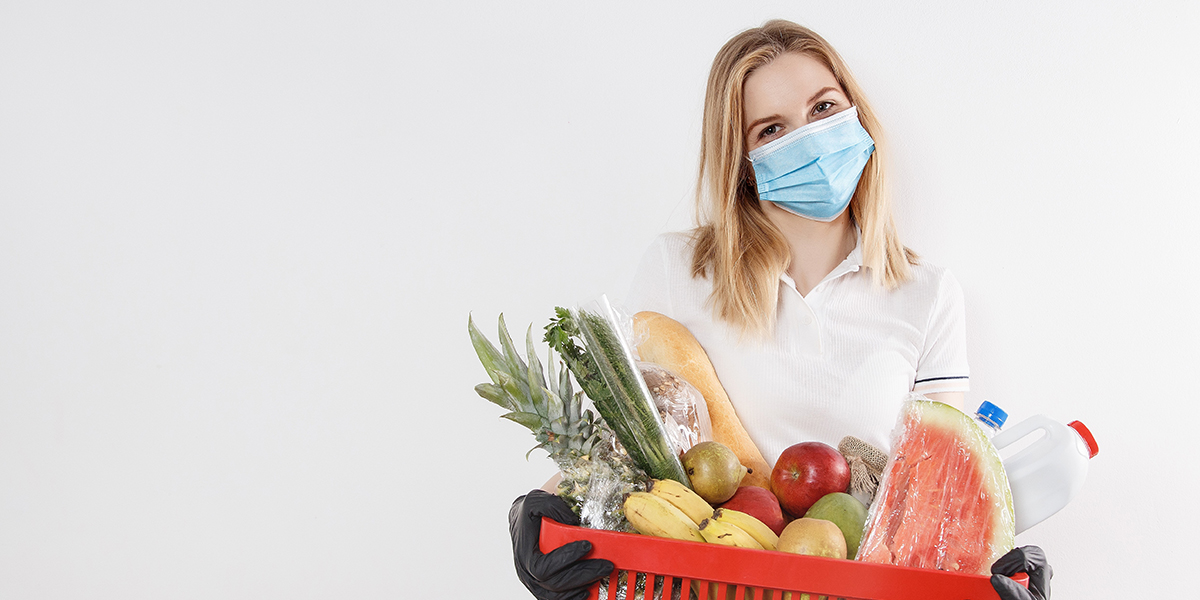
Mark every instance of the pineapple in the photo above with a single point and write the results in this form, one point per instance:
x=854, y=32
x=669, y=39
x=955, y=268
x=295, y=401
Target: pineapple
x=597, y=473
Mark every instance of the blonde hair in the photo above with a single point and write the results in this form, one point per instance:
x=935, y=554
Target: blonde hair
x=734, y=240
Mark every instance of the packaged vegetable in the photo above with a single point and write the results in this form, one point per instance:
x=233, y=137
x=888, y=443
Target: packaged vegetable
x=604, y=367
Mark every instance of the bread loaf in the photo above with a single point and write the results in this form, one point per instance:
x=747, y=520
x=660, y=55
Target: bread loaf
x=668, y=343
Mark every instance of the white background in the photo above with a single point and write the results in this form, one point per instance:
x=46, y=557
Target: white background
x=239, y=242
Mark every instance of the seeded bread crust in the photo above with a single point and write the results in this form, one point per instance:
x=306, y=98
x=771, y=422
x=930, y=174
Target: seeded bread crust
x=670, y=344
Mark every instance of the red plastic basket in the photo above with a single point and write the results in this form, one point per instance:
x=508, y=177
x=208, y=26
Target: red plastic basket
x=742, y=574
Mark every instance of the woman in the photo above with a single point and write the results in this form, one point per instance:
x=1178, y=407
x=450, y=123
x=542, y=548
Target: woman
x=815, y=316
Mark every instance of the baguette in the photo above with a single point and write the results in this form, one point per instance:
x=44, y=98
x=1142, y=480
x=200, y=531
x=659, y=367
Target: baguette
x=668, y=343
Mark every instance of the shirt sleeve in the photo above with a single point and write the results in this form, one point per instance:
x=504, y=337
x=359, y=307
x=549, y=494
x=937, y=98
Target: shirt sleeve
x=650, y=289
x=943, y=363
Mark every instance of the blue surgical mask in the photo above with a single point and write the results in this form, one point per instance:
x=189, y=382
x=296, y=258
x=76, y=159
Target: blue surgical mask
x=812, y=171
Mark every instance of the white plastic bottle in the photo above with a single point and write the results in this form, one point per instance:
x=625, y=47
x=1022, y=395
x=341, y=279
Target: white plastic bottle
x=1047, y=474
x=992, y=418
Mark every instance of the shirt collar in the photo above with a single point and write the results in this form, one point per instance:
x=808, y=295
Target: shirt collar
x=855, y=259
x=853, y=262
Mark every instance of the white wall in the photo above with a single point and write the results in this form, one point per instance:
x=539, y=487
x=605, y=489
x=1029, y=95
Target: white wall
x=239, y=242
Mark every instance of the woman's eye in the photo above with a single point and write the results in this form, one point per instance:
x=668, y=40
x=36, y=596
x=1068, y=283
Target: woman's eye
x=822, y=107
x=768, y=131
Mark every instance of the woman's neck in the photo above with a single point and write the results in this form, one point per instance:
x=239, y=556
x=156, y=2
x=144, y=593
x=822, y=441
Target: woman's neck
x=817, y=248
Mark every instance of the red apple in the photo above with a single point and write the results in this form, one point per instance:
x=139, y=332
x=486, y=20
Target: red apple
x=759, y=503
x=807, y=471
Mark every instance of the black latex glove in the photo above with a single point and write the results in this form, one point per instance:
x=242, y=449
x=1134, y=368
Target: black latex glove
x=1026, y=559
x=559, y=575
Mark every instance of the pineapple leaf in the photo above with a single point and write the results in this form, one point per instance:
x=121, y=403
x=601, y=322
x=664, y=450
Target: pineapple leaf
x=554, y=405
x=532, y=449
x=537, y=393
x=558, y=427
x=590, y=443
x=530, y=420
x=573, y=405
x=518, y=390
x=495, y=394
x=564, y=383
x=510, y=351
x=551, y=377
x=492, y=359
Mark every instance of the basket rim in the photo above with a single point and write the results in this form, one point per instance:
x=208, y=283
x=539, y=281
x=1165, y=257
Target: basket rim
x=768, y=569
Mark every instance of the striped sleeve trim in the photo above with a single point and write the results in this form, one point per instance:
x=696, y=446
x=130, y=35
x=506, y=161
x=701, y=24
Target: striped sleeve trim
x=933, y=385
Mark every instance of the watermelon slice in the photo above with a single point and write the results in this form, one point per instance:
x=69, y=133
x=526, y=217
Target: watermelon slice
x=944, y=501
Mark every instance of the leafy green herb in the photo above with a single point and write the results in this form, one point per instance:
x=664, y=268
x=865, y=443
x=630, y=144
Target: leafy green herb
x=604, y=369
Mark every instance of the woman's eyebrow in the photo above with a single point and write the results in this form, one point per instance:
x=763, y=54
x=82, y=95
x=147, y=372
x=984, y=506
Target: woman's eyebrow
x=822, y=93
x=758, y=122
x=817, y=95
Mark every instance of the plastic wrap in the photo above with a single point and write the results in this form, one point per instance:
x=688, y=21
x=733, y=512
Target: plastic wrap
x=681, y=406
x=628, y=407
x=595, y=485
x=944, y=501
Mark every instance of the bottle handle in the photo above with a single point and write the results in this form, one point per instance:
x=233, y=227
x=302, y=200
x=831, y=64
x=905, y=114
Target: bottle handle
x=1018, y=432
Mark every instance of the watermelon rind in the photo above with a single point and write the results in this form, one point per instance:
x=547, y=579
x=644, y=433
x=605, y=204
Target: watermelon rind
x=905, y=503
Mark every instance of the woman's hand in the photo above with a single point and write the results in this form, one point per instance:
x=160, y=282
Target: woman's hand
x=1026, y=559
x=559, y=575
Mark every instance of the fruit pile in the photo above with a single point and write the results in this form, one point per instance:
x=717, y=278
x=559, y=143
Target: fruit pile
x=941, y=500
x=810, y=479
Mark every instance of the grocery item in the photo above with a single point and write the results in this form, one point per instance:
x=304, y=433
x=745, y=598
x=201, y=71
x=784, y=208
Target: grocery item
x=714, y=471
x=846, y=512
x=757, y=529
x=813, y=537
x=651, y=515
x=866, y=467
x=991, y=416
x=1048, y=473
x=684, y=499
x=680, y=404
x=604, y=368
x=595, y=475
x=807, y=471
x=944, y=501
x=666, y=342
x=759, y=503
x=727, y=534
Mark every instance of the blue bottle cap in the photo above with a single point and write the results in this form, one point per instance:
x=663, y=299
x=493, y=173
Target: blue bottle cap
x=991, y=414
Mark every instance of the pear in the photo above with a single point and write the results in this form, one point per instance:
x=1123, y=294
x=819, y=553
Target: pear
x=714, y=471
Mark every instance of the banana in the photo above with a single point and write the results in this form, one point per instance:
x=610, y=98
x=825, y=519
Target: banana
x=727, y=534
x=682, y=498
x=651, y=515
x=757, y=529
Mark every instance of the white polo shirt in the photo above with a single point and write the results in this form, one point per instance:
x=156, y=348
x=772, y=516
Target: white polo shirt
x=840, y=360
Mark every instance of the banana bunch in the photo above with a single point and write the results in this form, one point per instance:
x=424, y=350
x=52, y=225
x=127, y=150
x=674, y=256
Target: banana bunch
x=735, y=528
x=670, y=509
x=651, y=515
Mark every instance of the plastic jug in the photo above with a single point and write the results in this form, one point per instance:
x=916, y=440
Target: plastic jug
x=1047, y=474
